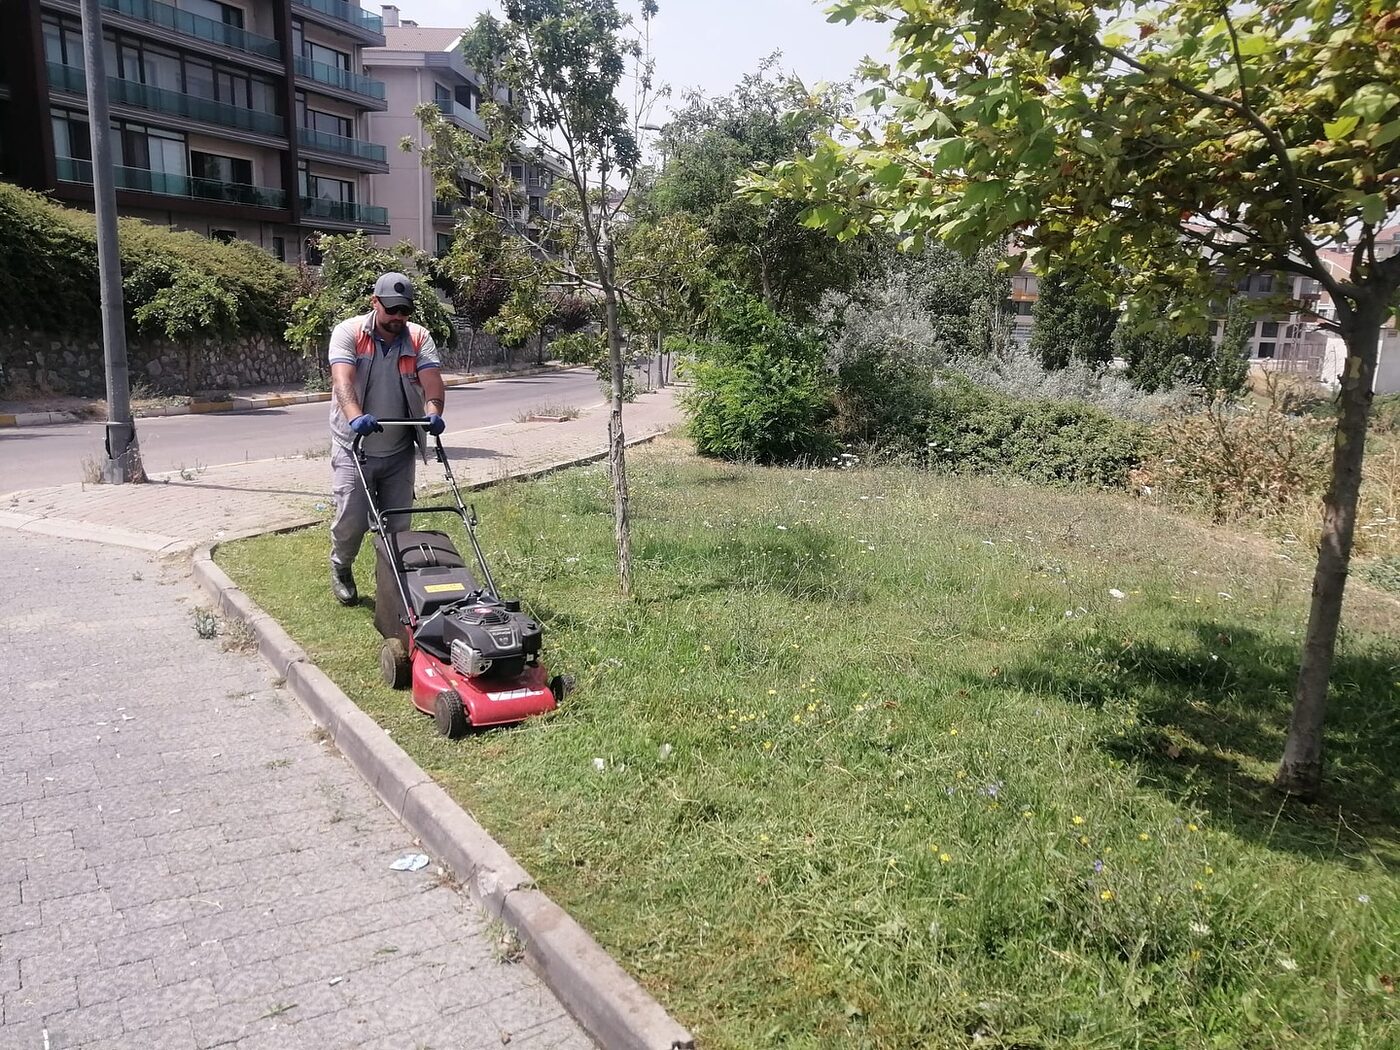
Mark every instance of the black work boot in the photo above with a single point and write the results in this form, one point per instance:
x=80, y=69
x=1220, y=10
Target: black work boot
x=343, y=585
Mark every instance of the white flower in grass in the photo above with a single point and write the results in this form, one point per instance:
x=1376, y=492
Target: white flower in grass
x=1287, y=964
x=1200, y=929
x=600, y=764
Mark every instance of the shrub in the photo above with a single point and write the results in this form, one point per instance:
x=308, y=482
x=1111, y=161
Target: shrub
x=1020, y=374
x=349, y=265
x=760, y=389
x=1233, y=462
x=974, y=429
x=48, y=261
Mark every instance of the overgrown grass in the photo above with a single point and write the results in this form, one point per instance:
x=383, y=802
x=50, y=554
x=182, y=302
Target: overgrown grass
x=878, y=759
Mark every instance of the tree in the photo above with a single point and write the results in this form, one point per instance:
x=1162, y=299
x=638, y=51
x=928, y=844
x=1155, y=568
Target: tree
x=1073, y=322
x=349, y=265
x=1176, y=145
x=711, y=142
x=552, y=72
x=478, y=270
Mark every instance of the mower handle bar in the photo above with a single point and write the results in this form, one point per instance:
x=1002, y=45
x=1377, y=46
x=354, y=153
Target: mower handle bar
x=377, y=516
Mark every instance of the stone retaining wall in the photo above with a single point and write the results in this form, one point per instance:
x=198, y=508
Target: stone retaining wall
x=38, y=363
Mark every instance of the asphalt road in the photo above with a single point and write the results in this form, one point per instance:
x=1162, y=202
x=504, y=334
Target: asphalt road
x=33, y=457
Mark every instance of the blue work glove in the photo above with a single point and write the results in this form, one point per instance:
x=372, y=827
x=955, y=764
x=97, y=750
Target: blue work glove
x=435, y=422
x=365, y=425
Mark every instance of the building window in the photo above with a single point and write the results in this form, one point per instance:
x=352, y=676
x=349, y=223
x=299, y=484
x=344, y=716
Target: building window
x=223, y=236
x=325, y=188
x=72, y=138
x=153, y=149
x=217, y=168
x=1268, y=329
x=63, y=41
x=229, y=16
x=444, y=243
x=1266, y=349
x=279, y=249
x=328, y=56
x=317, y=120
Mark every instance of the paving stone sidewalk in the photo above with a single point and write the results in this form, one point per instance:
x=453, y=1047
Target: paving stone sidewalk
x=182, y=863
x=185, y=866
x=180, y=511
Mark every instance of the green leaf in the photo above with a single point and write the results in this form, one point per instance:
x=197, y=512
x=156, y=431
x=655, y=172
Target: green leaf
x=1372, y=102
x=1341, y=127
x=820, y=216
x=982, y=192
x=890, y=175
x=1255, y=44
x=1387, y=134
x=1373, y=208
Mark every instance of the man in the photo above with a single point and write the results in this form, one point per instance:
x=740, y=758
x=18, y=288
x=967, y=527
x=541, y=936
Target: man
x=383, y=366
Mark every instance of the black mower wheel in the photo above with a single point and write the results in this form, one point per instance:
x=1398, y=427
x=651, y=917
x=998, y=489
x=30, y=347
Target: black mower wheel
x=448, y=713
x=394, y=666
x=561, y=685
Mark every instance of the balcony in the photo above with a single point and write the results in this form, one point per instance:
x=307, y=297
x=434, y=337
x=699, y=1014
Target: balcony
x=196, y=26
x=454, y=110
x=339, y=78
x=168, y=184
x=344, y=211
x=350, y=14
x=142, y=96
x=325, y=142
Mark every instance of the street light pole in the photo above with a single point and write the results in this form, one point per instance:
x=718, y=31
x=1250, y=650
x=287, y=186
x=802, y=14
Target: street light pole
x=123, y=455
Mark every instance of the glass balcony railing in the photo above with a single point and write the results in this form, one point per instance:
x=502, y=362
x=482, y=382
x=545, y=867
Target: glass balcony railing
x=350, y=13
x=452, y=108
x=172, y=185
x=339, y=78
x=328, y=143
x=344, y=211
x=144, y=96
x=196, y=26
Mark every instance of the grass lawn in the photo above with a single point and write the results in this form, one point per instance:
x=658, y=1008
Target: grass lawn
x=880, y=759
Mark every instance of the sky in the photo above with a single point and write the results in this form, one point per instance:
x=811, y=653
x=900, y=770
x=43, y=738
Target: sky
x=710, y=44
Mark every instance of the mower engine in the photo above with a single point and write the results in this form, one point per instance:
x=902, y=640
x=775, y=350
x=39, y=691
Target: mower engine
x=485, y=638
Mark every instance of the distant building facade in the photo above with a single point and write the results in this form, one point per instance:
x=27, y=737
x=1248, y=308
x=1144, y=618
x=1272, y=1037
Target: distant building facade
x=237, y=119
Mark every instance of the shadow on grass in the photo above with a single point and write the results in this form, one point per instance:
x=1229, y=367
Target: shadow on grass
x=1206, y=719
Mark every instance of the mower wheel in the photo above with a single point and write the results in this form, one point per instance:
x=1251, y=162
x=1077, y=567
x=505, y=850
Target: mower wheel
x=561, y=685
x=447, y=711
x=394, y=665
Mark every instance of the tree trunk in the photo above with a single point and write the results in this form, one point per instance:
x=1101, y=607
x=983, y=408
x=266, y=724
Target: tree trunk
x=661, y=359
x=617, y=446
x=1300, y=772
x=471, y=345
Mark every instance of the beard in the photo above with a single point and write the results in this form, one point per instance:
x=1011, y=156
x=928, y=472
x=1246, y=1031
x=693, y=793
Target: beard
x=394, y=324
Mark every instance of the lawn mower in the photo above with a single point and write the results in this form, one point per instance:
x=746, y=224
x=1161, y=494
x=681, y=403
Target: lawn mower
x=471, y=658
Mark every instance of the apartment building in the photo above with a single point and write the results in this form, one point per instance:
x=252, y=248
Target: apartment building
x=423, y=65
x=243, y=119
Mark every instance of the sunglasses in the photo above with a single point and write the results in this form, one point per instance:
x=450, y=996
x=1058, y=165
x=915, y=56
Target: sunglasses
x=399, y=311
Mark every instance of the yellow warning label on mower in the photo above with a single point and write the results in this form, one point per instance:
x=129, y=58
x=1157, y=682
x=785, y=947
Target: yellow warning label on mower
x=440, y=588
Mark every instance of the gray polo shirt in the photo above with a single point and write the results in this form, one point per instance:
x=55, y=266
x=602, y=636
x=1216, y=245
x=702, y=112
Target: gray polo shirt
x=385, y=399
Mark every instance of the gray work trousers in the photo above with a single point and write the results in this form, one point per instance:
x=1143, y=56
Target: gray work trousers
x=391, y=480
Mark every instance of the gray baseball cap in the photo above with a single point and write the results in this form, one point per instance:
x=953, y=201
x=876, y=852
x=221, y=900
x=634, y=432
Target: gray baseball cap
x=394, y=289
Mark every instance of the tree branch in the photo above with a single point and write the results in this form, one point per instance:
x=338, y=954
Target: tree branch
x=1245, y=111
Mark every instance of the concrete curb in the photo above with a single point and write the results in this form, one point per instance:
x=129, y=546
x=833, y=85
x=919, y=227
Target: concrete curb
x=252, y=404
x=611, y=1006
x=35, y=419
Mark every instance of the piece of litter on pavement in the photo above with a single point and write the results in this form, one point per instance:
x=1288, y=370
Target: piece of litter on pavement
x=335, y=980
x=410, y=862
